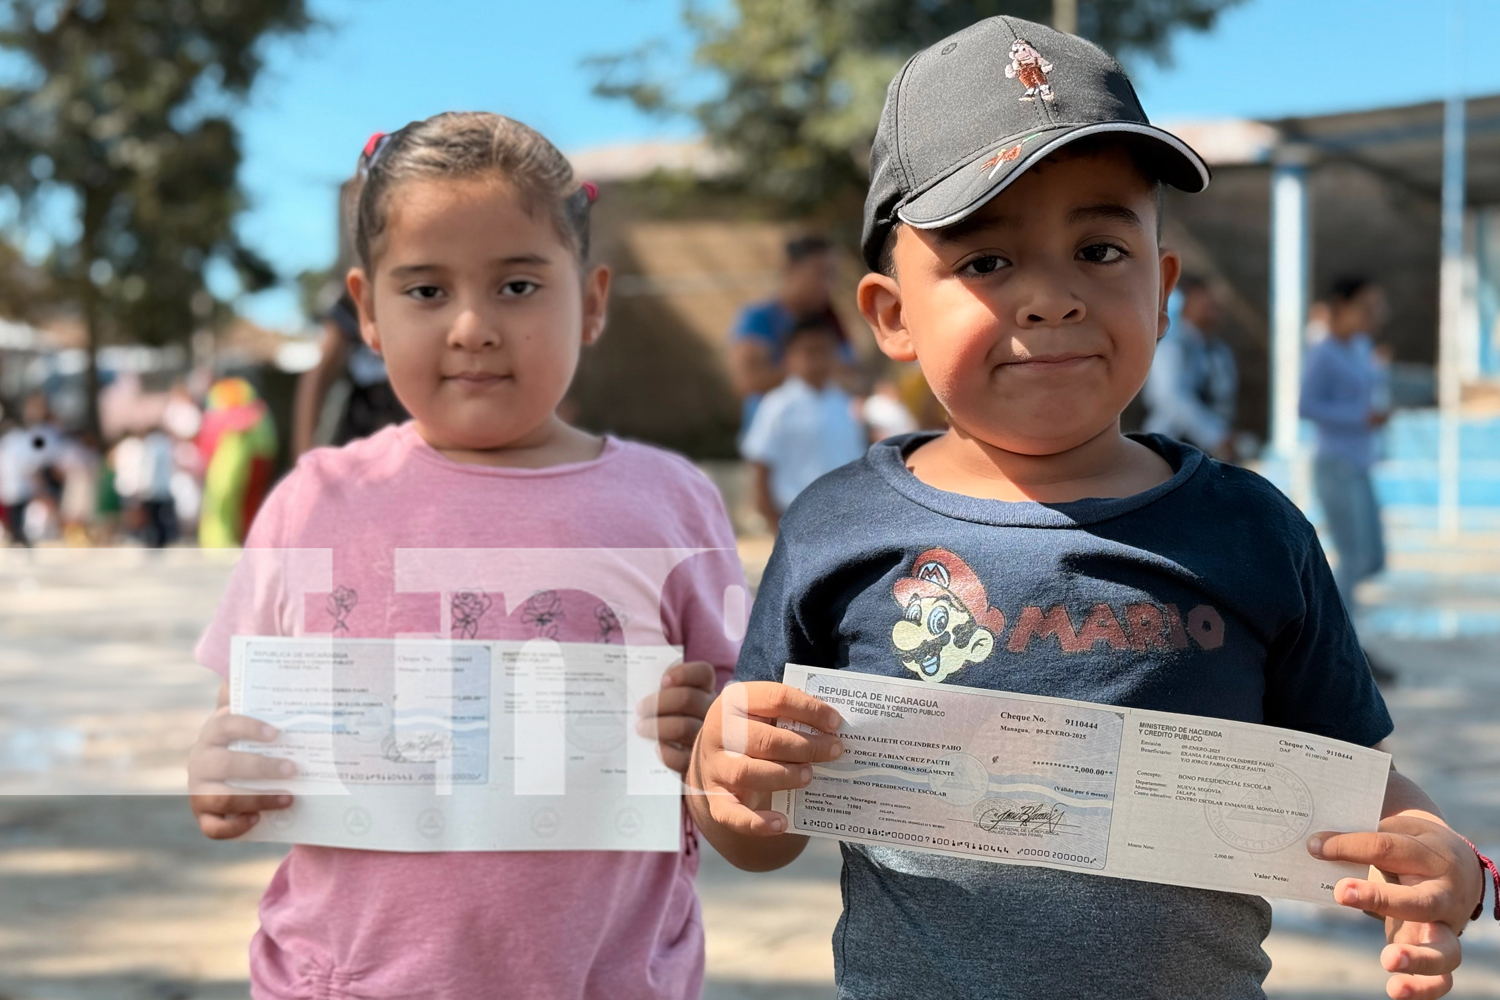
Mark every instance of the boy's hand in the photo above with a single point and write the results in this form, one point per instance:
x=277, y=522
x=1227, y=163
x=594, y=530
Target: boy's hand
x=223, y=811
x=742, y=756
x=1435, y=885
x=674, y=714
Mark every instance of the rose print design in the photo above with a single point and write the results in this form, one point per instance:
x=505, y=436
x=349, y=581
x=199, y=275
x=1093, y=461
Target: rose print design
x=468, y=607
x=340, y=605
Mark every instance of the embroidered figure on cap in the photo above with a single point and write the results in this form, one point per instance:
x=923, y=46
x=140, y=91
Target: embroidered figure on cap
x=1028, y=66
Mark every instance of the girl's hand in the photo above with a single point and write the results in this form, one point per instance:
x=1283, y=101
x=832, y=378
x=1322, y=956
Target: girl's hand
x=743, y=756
x=1435, y=885
x=673, y=715
x=223, y=811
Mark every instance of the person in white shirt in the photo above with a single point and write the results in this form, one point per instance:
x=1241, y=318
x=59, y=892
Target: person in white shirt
x=1192, y=389
x=805, y=427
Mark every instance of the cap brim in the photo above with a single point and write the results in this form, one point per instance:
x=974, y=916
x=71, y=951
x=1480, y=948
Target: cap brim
x=963, y=192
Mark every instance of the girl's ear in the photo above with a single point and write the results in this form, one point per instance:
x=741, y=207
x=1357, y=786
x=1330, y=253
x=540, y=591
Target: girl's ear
x=879, y=298
x=362, y=291
x=1171, y=270
x=595, y=303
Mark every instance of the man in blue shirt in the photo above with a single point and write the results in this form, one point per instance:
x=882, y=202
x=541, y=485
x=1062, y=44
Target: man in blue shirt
x=1194, y=384
x=1338, y=395
x=760, y=331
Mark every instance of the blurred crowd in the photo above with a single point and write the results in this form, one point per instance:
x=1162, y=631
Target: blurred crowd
x=191, y=463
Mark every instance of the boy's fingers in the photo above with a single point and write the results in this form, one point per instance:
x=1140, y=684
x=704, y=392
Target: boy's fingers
x=695, y=674
x=1418, y=987
x=742, y=819
x=1390, y=899
x=670, y=728
x=746, y=774
x=767, y=742
x=770, y=700
x=1391, y=852
x=1434, y=958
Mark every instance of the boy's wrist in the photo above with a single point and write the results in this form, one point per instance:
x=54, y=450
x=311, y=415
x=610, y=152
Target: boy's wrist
x=1489, y=872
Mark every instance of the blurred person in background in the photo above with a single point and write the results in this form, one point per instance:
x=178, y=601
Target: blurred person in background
x=158, y=519
x=371, y=403
x=884, y=413
x=1193, y=387
x=78, y=510
x=1340, y=389
x=237, y=449
x=806, y=426
x=759, y=335
x=29, y=455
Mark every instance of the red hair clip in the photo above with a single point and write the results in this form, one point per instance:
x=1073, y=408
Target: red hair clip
x=592, y=190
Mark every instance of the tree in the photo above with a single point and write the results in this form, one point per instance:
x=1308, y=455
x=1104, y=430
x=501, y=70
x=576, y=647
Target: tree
x=120, y=110
x=801, y=82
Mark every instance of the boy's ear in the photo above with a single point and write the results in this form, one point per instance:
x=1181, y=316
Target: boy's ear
x=879, y=299
x=1171, y=270
x=595, y=303
x=362, y=291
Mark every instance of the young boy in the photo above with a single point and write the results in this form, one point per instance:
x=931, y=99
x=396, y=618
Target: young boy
x=1013, y=232
x=806, y=426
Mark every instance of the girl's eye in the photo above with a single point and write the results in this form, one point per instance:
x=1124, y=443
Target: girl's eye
x=987, y=264
x=1103, y=253
x=518, y=288
x=424, y=293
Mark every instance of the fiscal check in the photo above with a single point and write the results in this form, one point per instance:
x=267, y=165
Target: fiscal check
x=1123, y=792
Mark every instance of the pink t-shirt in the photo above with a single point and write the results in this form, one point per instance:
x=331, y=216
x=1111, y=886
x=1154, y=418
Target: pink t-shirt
x=352, y=924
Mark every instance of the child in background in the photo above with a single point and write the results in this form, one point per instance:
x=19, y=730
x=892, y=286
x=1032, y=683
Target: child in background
x=473, y=284
x=806, y=426
x=1014, y=245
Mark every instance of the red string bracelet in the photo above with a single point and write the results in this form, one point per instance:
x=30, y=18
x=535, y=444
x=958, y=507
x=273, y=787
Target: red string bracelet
x=1490, y=868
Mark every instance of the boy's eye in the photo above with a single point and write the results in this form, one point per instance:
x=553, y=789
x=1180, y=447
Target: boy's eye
x=1103, y=253
x=988, y=264
x=424, y=293
x=518, y=288
x=937, y=621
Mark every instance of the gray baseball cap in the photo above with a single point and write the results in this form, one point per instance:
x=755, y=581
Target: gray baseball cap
x=968, y=115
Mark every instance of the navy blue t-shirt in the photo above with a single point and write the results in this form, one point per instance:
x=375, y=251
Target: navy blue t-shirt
x=1207, y=595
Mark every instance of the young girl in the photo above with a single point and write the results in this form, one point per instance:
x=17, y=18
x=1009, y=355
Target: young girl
x=473, y=284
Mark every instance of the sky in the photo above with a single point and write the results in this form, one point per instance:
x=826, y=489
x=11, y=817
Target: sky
x=382, y=63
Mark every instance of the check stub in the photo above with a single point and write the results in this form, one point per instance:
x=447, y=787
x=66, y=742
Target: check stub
x=435, y=745
x=1019, y=779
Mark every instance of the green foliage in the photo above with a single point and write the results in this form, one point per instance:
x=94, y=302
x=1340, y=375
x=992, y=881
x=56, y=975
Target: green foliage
x=801, y=82
x=121, y=109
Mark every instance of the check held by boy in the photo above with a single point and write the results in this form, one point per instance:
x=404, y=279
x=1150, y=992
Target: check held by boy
x=1012, y=230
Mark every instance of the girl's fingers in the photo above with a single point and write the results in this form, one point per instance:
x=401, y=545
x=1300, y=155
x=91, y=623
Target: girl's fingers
x=670, y=728
x=222, y=800
x=1421, y=903
x=219, y=764
x=223, y=728
x=676, y=701
x=674, y=756
x=696, y=674
x=1418, y=987
x=226, y=827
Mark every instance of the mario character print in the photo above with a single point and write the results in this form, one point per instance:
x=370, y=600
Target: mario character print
x=947, y=622
x=1028, y=66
